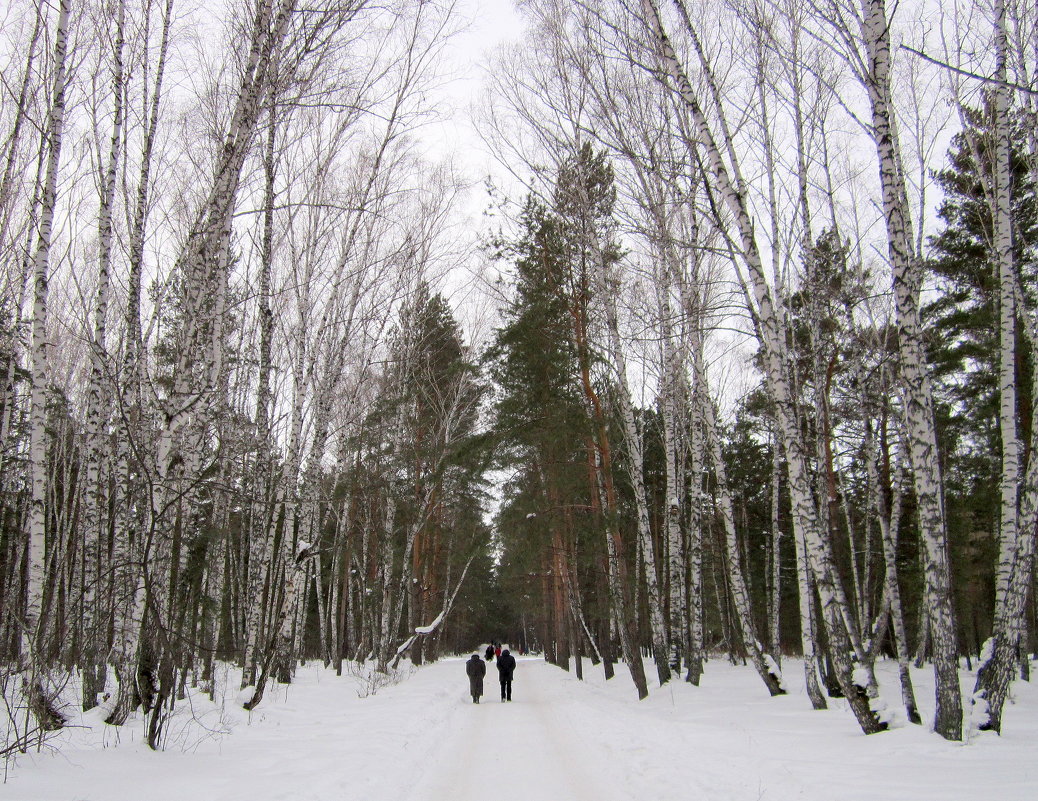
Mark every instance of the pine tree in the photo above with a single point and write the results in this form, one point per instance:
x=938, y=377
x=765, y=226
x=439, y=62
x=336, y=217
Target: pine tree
x=964, y=352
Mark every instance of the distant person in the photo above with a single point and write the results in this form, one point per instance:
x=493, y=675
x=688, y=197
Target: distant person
x=490, y=652
x=476, y=670
x=505, y=669
x=497, y=651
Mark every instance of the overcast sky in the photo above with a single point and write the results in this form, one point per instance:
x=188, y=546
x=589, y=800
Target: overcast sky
x=493, y=25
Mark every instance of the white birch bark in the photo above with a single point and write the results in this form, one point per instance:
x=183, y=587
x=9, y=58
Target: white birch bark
x=919, y=411
x=1017, y=519
x=889, y=522
x=257, y=674
x=290, y=553
x=773, y=343
x=673, y=396
x=138, y=225
x=386, y=559
x=95, y=495
x=775, y=582
x=129, y=550
x=35, y=567
x=692, y=311
x=763, y=663
x=635, y=471
x=261, y=531
x=697, y=460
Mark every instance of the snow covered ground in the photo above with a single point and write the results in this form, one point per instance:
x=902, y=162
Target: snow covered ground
x=424, y=740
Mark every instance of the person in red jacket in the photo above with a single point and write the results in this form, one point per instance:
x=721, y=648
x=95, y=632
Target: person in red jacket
x=497, y=651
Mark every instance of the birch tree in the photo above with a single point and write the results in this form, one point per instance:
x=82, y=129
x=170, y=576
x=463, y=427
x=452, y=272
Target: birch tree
x=834, y=604
x=919, y=414
x=1018, y=500
x=34, y=624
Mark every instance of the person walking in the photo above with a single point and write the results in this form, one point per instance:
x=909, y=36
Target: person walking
x=476, y=670
x=490, y=652
x=505, y=669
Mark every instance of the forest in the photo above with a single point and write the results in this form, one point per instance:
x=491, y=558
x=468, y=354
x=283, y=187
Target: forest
x=734, y=361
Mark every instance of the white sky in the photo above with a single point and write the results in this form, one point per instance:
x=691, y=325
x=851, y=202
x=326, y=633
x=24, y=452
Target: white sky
x=493, y=24
x=489, y=26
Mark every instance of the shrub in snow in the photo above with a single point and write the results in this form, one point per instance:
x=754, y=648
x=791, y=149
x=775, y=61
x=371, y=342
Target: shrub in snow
x=370, y=680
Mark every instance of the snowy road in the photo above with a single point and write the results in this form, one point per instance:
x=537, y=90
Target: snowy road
x=530, y=745
x=324, y=738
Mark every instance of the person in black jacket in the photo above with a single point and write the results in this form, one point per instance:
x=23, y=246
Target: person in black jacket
x=489, y=652
x=505, y=669
x=476, y=670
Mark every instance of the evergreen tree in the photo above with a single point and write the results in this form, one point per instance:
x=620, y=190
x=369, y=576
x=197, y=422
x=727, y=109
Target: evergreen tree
x=541, y=425
x=963, y=349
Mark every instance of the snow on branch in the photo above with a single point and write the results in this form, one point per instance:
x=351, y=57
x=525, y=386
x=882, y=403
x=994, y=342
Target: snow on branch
x=431, y=627
x=422, y=631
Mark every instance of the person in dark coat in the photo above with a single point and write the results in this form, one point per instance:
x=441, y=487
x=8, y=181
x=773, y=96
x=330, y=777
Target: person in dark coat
x=476, y=670
x=490, y=652
x=505, y=669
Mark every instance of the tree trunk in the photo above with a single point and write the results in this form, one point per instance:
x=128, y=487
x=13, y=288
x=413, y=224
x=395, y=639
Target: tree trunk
x=39, y=698
x=919, y=411
x=763, y=663
x=93, y=509
x=636, y=474
x=773, y=344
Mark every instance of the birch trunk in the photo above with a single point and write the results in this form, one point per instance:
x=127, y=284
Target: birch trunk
x=635, y=473
x=262, y=529
x=129, y=550
x=889, y=522
x=773, y=344
x=697, y=460
x=692, y=310
x=93, y=673
x=919, y=411
x=138, y=226
x=775, y=584
x=763, y=662
x=672, y=397
x=1019, y=504
x=386, y=559
x=39, y=700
